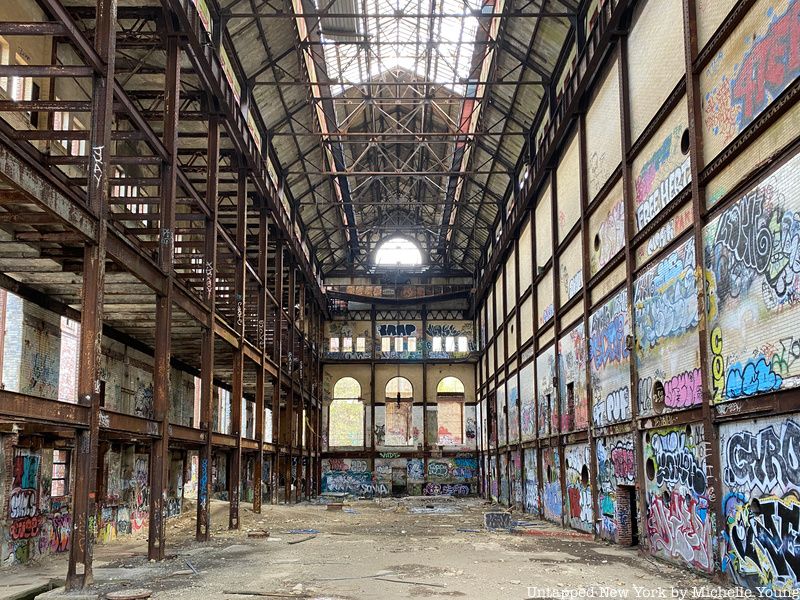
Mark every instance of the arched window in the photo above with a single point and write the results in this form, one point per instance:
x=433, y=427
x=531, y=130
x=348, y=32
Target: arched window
x=450, y=411
x=346, y=414
x=399, y=402
x=450, y=385
x=347, y=388
x=399, y=385
x=398, y=252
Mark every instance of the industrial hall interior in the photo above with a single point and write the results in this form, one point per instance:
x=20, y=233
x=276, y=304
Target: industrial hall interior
x=376, y=299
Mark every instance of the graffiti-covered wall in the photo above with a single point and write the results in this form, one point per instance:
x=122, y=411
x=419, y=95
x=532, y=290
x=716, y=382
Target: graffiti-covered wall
x=353, y=340
x=752, y=257
x=616, y=466
x=572, y=379
x=679, y=525
x=609, y=357
x=395, y=475
x=579, y=492
x=551, y=480
x=667, y=348
x=35, y=522
x=533, y=504
x=546, y=399
x=453, y=330
x=761, y=503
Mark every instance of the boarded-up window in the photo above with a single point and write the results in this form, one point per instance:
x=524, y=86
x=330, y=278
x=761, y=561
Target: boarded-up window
x=398, y=422
x=451, y=421
x=346, y=423
x=346, y=414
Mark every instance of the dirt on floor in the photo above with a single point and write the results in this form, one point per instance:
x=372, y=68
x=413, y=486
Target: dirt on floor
x=382, y=549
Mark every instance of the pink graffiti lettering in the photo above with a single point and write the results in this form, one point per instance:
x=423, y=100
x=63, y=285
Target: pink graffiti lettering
x=622, y=459
x=684, y=390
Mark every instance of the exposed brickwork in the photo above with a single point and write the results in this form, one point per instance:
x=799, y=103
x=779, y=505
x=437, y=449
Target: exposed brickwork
x=625, y=531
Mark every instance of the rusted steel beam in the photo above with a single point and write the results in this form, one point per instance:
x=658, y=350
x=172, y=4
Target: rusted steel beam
x=203, y=525
x=37, y=188
x=238, y=355
x=223, y=440
x=159, y=450
x=123, y=423
x=188, y=435
x=40, y=410
x=45, y=105
x=122, y=251
x=45, y=71
x=33, y=28
x=208, y=67
x=236, y=452
x=79, y=571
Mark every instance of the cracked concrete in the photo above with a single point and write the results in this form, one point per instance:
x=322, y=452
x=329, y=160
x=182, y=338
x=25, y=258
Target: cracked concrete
x=378, y=550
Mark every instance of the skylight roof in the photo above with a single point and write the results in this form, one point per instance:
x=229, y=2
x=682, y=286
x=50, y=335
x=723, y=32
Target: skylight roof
x=400, y=34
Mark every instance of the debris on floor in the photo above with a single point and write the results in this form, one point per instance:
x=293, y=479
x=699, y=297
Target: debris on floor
x=497, y=520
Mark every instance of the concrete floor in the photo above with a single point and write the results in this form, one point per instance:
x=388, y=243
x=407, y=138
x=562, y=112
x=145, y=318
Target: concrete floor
x=375, y=549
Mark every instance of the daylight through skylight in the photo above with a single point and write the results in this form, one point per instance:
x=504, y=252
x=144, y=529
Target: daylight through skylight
x=396, y=34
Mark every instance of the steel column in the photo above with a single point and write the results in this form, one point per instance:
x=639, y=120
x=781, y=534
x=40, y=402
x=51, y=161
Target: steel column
x=159, y=452
x=89, y=386
x=203, y=530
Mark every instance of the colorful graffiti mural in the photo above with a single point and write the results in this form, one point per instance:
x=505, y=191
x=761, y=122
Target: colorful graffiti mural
x=527, y=396
x=609, y=327
x=579, y=492
x=667, y=345
x=678, y=523
x=761, y=503
x=512, y=389
x=352, y=330
x=572, y=380
x=616, y=466
x=552, y=500
x=663, y=175
x=533, y=504
x=757, y=63
x=546, y=400
x=752, y=259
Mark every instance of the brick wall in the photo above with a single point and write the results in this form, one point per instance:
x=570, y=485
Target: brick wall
x=625, y=531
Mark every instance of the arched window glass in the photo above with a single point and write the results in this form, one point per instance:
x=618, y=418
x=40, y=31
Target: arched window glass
x=399, y=384
x=347, y=388
x=450, y=385
x=346, y=414
x=398, y=252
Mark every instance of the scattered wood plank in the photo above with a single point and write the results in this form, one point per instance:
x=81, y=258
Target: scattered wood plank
x=409, y=582
x=305, y=539
x=266, y=594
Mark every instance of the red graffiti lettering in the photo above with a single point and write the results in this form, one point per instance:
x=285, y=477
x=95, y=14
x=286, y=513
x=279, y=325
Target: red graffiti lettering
x=25, y=529
x=772, y=64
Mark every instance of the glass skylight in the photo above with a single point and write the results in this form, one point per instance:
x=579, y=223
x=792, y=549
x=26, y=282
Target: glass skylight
x=400, y=35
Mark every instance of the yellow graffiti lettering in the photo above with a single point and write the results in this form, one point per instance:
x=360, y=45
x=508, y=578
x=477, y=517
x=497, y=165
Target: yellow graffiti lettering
x=717, y=365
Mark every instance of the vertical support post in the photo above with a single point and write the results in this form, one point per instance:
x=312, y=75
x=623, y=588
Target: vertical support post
x=203, y=529
x=89, y=388
x=159, y=450
x=424, y=393
x=236, y=453
x=237, y=391
x=258, y=473
x=290, y=417
x=372, y=395
x=277, y=418
x=694, y=101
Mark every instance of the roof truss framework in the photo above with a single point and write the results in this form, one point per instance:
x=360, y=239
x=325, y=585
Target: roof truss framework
x=398, y=116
